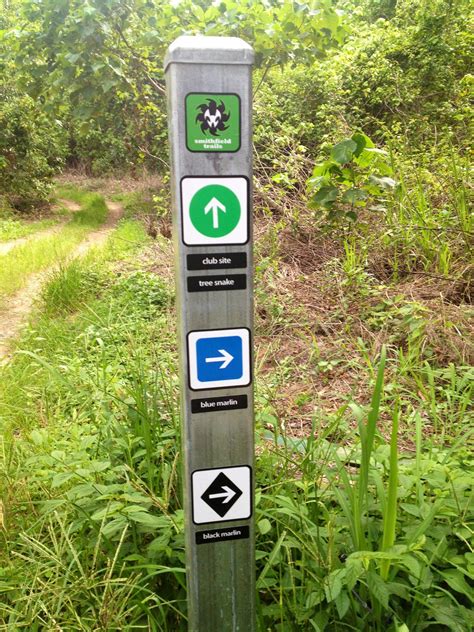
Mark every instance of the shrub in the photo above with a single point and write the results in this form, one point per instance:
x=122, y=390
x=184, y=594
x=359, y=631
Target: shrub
x=31, y=148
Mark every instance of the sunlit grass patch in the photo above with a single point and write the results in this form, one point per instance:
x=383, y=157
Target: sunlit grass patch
x=29, y=258
x=12, y=228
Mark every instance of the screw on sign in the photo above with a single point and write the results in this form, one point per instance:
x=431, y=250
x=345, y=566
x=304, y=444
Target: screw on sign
x=215, y=210
x=209, y=89
x=213, y=122
x=219, y=358
x=222, y=494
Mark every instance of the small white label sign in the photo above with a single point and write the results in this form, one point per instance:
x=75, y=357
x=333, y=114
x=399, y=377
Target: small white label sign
x=215, y=210
x=222, y=494
x=219, y=358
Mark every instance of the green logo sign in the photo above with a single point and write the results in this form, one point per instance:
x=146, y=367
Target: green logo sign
x=214, y=210
x=212, y=122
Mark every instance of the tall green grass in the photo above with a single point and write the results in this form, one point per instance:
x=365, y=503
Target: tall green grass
x=429, y=223
x=351, y=534
x=34, y=256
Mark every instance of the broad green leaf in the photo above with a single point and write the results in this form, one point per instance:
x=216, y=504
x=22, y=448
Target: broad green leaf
x=37, y=437
x=61, y=478
x=456, y=580
x=146, y=519
x=344, y=151
x=342, y=604
x=352, y=196
x=362, y=141
x=378, y=588
x=314, y=598
x=333, y=584
x=325, y=196
x=117, y=525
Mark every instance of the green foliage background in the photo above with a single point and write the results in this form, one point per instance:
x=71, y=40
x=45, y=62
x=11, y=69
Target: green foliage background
x=396, y=70
x=362, y=127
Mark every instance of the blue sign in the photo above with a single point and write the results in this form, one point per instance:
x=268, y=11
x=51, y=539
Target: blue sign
x=219, y=358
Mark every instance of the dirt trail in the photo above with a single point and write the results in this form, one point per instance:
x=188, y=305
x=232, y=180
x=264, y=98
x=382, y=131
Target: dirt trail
x=99, y=236
x=18, y=306
x=6, y=246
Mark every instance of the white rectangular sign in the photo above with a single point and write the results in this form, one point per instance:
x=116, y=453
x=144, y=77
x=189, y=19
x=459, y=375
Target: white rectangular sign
x=219, y=358
x=215, y=210
x=222, y=494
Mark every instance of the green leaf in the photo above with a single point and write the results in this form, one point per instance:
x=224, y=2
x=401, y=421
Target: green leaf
x=325, y=196
x=317, y=181
x=342, y=604
x=146, y=519
x=264, y=526
x=61, y=478
x=362, y=141
x=344, y=151
x=446, y=614
x=352, y=196
x=114, y=526
x=37, y=437
x=320, y=621
x=314, y=599
x=378, y=588
x=333, y=586
x=455, y=579
x=354, y=569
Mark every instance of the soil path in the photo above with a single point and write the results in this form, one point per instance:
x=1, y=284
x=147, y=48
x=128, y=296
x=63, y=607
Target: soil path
x=99, y=236
x=6, y=246
x=18, y=307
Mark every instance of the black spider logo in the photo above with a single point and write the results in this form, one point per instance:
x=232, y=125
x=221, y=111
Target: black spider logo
x=212, y=117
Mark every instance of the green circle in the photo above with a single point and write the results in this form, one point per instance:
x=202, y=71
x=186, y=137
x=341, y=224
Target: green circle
x=214, y=210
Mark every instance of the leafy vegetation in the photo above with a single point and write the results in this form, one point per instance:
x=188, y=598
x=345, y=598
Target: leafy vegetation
x=363, y=286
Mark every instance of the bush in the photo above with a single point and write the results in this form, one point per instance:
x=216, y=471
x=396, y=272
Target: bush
x=409, y=74
x=32, y=148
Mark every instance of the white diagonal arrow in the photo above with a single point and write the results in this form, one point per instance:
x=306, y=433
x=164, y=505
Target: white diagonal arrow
x=228, y=494
x=214, y=205
x=225, y=358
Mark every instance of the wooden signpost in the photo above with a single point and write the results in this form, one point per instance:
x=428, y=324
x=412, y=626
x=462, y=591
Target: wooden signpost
x=209, y=111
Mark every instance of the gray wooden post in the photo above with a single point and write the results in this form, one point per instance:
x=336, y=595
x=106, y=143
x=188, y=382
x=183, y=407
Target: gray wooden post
x=209, y=111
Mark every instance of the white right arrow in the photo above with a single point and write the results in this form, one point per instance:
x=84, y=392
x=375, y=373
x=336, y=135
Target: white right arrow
x=225, y=358
x=228, y=494
x=215, y=206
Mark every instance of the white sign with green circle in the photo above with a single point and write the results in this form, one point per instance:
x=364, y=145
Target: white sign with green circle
x=215, y=210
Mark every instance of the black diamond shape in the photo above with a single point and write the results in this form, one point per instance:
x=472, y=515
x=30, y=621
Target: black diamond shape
x=222, y=494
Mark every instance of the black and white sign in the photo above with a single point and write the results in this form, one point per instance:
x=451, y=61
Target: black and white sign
x=217, y=260
x=219, y=404
x=222, y=494
x=223, y=535
x=216, y=283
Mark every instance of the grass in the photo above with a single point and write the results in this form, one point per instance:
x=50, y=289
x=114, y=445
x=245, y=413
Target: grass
x=27, y=259
x=364, y=510
x=11, y=228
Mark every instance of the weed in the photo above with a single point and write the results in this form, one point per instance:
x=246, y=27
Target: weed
x=70, y=286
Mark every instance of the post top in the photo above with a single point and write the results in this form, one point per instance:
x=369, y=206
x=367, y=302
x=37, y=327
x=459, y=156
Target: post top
x=204, y=49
